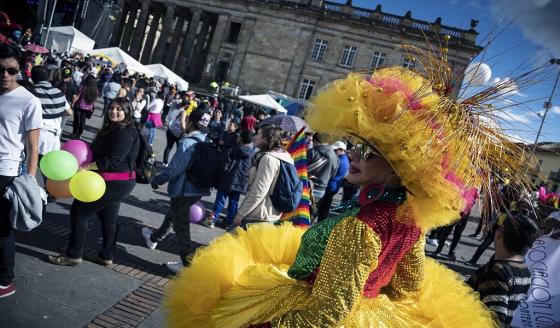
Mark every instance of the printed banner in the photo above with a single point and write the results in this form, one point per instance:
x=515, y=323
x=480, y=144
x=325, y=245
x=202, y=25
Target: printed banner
x=541, y=307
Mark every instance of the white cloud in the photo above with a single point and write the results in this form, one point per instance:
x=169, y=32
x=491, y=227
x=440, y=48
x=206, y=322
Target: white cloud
x=538, y=20
x=518, y=138
x=511, y=117
x=555, y=110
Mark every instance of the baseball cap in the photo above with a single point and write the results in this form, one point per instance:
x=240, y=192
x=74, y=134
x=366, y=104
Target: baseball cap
x=66, y=72
x=339, y=145
x=201, y=117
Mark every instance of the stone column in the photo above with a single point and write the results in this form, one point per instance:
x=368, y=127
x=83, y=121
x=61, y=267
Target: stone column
x=241, y=51
x=165, y=30
x=118, y=32
x=129, y=27
x=140, y=30
x=188, y=40
x=169, y=59
x=219, y=32
x=148, y=47
x=194, y=70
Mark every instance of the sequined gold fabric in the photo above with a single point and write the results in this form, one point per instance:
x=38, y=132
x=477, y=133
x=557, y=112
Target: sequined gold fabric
x=409, y=275
x=351, y=254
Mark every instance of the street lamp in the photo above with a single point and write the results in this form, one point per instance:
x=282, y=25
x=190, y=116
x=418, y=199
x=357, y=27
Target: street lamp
x=548, y=104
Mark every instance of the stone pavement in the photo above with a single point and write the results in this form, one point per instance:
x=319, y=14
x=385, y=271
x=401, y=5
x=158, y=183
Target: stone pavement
x=128, y=293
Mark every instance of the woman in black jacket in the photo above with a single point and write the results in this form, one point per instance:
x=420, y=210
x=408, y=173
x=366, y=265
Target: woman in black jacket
x=115, y=150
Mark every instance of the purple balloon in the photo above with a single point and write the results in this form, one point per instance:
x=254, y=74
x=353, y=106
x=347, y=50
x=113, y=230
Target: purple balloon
x=197, y=212
x=80, y=149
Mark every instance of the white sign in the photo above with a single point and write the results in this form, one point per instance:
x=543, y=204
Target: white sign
x=541, y=307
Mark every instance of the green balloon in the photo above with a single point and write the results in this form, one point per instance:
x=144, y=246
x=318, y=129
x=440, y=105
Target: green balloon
x=59, y=165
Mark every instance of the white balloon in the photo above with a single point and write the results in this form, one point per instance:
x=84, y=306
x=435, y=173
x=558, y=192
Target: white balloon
x=477, y=74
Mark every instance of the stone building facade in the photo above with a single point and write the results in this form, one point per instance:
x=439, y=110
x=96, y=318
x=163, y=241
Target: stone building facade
x=292, y=47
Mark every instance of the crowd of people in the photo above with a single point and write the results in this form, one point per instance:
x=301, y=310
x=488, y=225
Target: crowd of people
x=371, y=244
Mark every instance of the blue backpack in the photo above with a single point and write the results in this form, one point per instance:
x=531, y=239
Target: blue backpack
x=288, y=189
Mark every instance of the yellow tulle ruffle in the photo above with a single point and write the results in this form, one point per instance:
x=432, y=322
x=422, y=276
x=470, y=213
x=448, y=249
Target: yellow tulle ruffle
x=241, y=278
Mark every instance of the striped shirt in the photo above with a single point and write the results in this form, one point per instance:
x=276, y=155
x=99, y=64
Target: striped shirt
x=53, y=102
x=501, y=285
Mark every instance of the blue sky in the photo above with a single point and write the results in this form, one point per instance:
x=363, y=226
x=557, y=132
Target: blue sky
x=524, y=34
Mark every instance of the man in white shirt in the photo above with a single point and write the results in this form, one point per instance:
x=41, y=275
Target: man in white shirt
x=20, y=122
x=77, y=76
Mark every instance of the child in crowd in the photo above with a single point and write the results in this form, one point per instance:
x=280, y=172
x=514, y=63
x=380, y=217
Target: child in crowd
x=235, y=180
x=505, y=279
x=229, y=138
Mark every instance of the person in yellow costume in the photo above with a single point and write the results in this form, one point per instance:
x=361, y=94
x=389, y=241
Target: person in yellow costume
x=417, y=155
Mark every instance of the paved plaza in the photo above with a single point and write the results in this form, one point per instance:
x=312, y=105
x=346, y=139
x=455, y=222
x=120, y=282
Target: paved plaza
x=129, y=292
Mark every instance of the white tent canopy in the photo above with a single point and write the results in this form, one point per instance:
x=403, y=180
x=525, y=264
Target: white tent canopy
x=118, y=56
x=165, y=73
x=67, y=39
x=265, y=101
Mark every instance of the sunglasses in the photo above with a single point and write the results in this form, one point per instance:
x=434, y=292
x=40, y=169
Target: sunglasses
x=366, y=152
x=10, y=70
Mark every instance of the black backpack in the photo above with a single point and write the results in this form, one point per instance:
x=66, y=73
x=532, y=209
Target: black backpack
x=207, y=166
x=144, y=161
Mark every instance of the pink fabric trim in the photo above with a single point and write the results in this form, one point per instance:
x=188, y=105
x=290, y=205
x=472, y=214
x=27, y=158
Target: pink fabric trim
x=118, y=176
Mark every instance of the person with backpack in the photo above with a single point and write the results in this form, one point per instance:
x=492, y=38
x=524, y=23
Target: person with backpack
x=181, y=189
x=84, y=106
x=110, y=91
x=258, y=203
x=115, y=149
x=235, y=179
x=322, y=166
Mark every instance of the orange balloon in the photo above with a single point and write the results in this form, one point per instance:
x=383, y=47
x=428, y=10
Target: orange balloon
x=59, y=189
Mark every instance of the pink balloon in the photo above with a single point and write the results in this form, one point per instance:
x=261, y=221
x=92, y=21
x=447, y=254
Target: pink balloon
x=197, y=212
x=80, y=149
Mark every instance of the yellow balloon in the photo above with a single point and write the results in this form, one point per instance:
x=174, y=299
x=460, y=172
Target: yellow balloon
x=87, y=186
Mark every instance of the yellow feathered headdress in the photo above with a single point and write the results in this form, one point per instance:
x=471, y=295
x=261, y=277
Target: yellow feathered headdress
x=439, y=147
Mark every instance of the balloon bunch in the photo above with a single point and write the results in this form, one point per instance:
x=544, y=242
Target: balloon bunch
x=64, y=180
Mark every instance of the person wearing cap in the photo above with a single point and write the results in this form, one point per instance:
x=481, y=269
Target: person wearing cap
x=181, y=190
x=69, y=88
x=335, y=183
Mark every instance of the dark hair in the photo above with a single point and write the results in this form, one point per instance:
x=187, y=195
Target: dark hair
x=273, y=112
x=272, y=136
x=128, y=121
x=248, y=110
x=39, y=74
x=520, y=231
x=89, y=89
x=317, y=138
x=246, y=137
x=7, y=51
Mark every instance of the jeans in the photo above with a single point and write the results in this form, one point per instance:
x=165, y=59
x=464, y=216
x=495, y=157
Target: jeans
x=151, y=135
x=488, y=240
x=171, y=140
x=79, y=122
x=458, y=228
x=233, y=203
x=107, y=209
x=7, y=239
x=324, y=206
x=106, y=103
x=178, y=218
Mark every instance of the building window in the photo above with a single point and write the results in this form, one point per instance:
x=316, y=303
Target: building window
x=234, y=30
x=306, y=90
x=408, y=62
x=378, y=59
x=348, y=56
x=319, y=49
